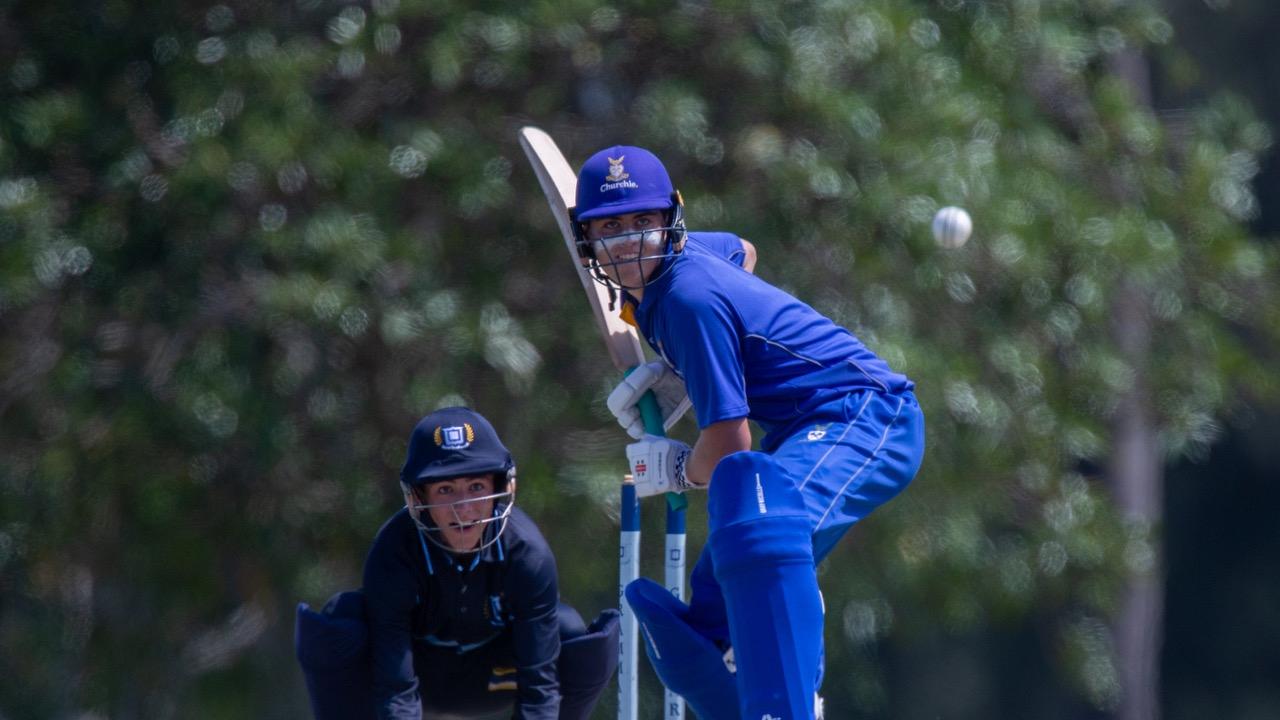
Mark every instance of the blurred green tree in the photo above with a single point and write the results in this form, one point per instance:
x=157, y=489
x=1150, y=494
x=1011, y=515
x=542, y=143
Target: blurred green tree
x=244, y=246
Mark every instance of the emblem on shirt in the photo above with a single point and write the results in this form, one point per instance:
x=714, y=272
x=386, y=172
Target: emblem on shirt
x=817, y=433
x=455, y=437
x=493, y=612
x=640, y=468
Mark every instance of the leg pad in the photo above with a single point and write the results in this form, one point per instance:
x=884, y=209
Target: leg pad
x=762, y=551
x=587, y=664
x=332, y=648
x=688, y=663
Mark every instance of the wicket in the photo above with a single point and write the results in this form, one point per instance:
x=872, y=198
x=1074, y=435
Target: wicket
x=628, y=570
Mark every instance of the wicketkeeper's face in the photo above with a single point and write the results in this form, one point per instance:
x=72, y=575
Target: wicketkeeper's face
x=628, y=247
x=460, y=508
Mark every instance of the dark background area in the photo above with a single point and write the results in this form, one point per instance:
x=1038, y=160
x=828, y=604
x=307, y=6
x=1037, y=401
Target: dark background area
x=1222, y=631
x=1234, y=46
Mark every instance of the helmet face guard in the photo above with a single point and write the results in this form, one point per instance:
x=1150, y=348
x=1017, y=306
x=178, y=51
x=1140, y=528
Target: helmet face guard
x=614, y=252
x=492, y=526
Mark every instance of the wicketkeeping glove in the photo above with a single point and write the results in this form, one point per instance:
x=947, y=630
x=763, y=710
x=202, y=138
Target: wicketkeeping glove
x=667, y=387
x=658, y=465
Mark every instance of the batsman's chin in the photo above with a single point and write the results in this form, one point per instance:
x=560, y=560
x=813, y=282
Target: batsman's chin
x=631, y=277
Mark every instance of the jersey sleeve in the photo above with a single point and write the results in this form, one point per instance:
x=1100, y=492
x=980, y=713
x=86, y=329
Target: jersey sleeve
x=721, y=244
x=390, y=596
x=534, y=593
x=702, y=340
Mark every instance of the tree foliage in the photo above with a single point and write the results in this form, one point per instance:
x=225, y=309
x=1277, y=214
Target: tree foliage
x=244, y=246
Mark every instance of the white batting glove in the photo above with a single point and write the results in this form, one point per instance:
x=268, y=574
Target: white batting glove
x=658, y=465
x=673, y=400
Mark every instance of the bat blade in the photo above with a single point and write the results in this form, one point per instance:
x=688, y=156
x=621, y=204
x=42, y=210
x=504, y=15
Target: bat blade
x=559, y=183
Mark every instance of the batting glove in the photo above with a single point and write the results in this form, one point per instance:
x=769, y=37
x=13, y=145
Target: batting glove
x=658, y=465
x=667, y=387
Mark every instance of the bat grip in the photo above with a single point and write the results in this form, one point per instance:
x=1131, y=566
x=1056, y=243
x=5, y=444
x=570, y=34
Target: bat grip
x=651, y=414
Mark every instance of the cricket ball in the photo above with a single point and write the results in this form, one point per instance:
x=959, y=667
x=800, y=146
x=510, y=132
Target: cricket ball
x=951, y=227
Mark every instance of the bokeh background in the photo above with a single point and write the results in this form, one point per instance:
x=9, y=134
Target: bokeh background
x=245, y=245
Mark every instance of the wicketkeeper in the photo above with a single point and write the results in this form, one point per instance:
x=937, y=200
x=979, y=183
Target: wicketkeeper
x=842, y=435
x=460, y=616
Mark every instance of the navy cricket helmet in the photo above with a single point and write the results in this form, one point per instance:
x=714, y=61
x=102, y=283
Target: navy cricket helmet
x=455, y=442
x=450, y=443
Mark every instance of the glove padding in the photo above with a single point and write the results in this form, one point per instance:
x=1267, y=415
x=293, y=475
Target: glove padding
x=667, y=387
x=658, y=465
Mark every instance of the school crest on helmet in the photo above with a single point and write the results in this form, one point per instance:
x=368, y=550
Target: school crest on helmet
x=454, y=437
x=616, y=172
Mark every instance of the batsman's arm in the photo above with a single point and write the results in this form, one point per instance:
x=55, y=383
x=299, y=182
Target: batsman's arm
x=748, y=256
x=714, y=442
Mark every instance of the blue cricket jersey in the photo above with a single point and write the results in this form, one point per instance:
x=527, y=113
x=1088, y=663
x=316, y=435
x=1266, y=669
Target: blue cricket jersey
x=747, y=349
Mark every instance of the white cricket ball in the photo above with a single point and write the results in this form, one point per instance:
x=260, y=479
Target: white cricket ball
x=951, y=227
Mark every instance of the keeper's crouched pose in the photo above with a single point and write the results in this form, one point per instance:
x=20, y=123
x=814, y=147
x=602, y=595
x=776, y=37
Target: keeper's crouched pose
x=459, y=616
x=843, y=435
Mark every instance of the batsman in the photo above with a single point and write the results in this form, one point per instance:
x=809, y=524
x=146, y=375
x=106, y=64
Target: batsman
x=843, y=434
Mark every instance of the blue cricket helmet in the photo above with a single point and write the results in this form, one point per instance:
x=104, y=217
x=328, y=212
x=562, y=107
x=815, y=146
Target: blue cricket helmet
x=622, y=179
x=616, y=181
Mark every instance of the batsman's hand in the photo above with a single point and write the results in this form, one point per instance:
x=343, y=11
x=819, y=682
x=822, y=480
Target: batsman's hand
x=667, y=387
x=658, y=465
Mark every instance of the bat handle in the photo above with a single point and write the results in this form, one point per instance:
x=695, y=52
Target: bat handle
x=651, y=414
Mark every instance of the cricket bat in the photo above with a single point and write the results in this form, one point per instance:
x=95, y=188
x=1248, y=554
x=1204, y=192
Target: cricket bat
x=559, y=184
